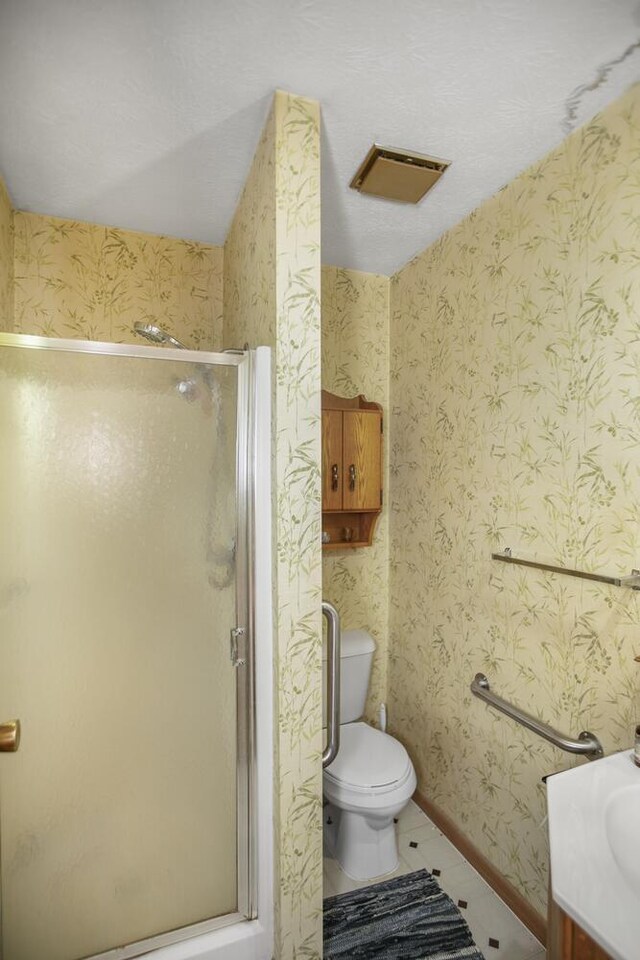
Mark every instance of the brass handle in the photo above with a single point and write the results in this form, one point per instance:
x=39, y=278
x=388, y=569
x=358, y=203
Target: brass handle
x=352, y=477
x=334, y=477
x=9, y=736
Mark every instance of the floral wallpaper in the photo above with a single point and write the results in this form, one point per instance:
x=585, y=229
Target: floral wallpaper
x=514, y=388
x=355, y=359
x=249, y=253
x=6, y=260
x=272, y=297
x=85, y=280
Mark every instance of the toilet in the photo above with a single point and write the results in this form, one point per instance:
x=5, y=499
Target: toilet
x=370, y=781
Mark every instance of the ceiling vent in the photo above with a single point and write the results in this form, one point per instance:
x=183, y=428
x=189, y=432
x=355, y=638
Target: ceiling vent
x=397, y=174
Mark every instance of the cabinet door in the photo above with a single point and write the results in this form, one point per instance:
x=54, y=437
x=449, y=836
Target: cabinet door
x=584, y=947
x=567, y=941
x=332, y=472
x=362, y=458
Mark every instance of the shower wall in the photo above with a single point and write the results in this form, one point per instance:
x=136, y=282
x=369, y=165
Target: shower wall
x=515, y=355
x=355, y=359
x=272, y=297
x=6, y=260
x=90, y=281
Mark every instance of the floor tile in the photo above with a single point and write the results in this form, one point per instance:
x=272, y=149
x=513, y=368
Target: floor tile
x=423, y=848
x=328, y=889
x=490, y=918
x=339, y=882
x=461, y=882
x=411, y=817
x=326, y=852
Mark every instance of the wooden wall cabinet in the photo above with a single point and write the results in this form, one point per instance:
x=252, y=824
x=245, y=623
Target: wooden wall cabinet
x=351, y=470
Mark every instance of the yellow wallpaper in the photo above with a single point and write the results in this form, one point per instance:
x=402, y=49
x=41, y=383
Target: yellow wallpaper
x=84, y=280
x=272, y=297
x=514, y=388
x=6, y=260
x=249, y=264
x=355, y=359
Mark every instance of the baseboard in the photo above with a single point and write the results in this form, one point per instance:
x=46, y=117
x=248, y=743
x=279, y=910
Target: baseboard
x=534, y=921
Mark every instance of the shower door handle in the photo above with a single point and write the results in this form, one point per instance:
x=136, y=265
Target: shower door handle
x=9, y=736
x=333, y=683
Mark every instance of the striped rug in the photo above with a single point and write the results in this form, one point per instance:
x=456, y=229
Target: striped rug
x=407, y=918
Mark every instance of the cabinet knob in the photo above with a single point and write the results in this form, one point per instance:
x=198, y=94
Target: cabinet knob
x=352, y=477
x=334, y=476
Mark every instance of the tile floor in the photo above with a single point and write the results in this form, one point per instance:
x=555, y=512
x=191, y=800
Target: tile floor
x=423, y=845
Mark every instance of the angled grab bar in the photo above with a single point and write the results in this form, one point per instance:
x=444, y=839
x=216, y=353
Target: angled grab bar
x=333, y=683
x=587, y=743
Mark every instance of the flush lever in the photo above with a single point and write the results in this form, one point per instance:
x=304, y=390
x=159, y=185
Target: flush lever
x=9, y=736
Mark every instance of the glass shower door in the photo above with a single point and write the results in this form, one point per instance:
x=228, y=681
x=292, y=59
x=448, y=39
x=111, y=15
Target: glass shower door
x=119, y=586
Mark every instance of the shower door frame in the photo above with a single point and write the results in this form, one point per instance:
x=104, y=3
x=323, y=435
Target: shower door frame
x=248, y=932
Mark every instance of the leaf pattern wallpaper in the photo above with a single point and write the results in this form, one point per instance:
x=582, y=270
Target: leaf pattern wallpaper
x=250, y=253
x=6, y=260
x=355, y=359
x=94, y=282
x=515, y=363
x=272, y=297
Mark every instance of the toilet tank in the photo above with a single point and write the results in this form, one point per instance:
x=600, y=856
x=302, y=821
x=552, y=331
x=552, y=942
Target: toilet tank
x=357, y=651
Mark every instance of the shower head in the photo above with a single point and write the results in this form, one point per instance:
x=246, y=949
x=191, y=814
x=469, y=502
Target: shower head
x=157, y=335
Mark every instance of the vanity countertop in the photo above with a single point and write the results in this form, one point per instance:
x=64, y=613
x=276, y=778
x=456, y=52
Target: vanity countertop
x=594, y=833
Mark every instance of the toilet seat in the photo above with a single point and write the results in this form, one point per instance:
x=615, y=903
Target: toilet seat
x=369, y=763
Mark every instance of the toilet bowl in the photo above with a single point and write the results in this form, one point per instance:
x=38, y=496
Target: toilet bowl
x=371, y=780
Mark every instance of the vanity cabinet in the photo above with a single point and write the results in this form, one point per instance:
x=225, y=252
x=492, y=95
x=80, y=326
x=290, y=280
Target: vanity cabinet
x=351, y=470
x=568, y=941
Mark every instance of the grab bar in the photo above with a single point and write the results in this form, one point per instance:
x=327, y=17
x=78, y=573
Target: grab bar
x=333, y=683
x=586, y=744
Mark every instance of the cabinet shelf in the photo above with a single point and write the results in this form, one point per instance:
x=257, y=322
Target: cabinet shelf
x=345, y=544
x=340, y=513
x=361, y=525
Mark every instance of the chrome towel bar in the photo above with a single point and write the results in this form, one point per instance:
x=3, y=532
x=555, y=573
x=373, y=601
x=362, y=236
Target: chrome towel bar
x=632, y=580
x=587, y=743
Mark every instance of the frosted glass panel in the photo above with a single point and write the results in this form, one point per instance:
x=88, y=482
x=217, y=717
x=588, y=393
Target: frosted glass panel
x=117, y=594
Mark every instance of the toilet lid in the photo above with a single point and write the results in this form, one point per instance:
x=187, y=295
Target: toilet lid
x=368, y=757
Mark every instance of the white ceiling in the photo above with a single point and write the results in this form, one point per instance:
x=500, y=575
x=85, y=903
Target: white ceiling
x=145, y=113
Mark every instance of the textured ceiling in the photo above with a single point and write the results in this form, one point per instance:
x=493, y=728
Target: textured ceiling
x=145, y=113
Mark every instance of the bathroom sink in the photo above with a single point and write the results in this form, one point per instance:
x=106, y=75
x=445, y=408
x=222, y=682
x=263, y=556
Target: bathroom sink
x=622, y=824
x=594, y=833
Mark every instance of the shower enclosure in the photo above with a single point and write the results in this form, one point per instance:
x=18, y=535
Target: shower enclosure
x=131, y=497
